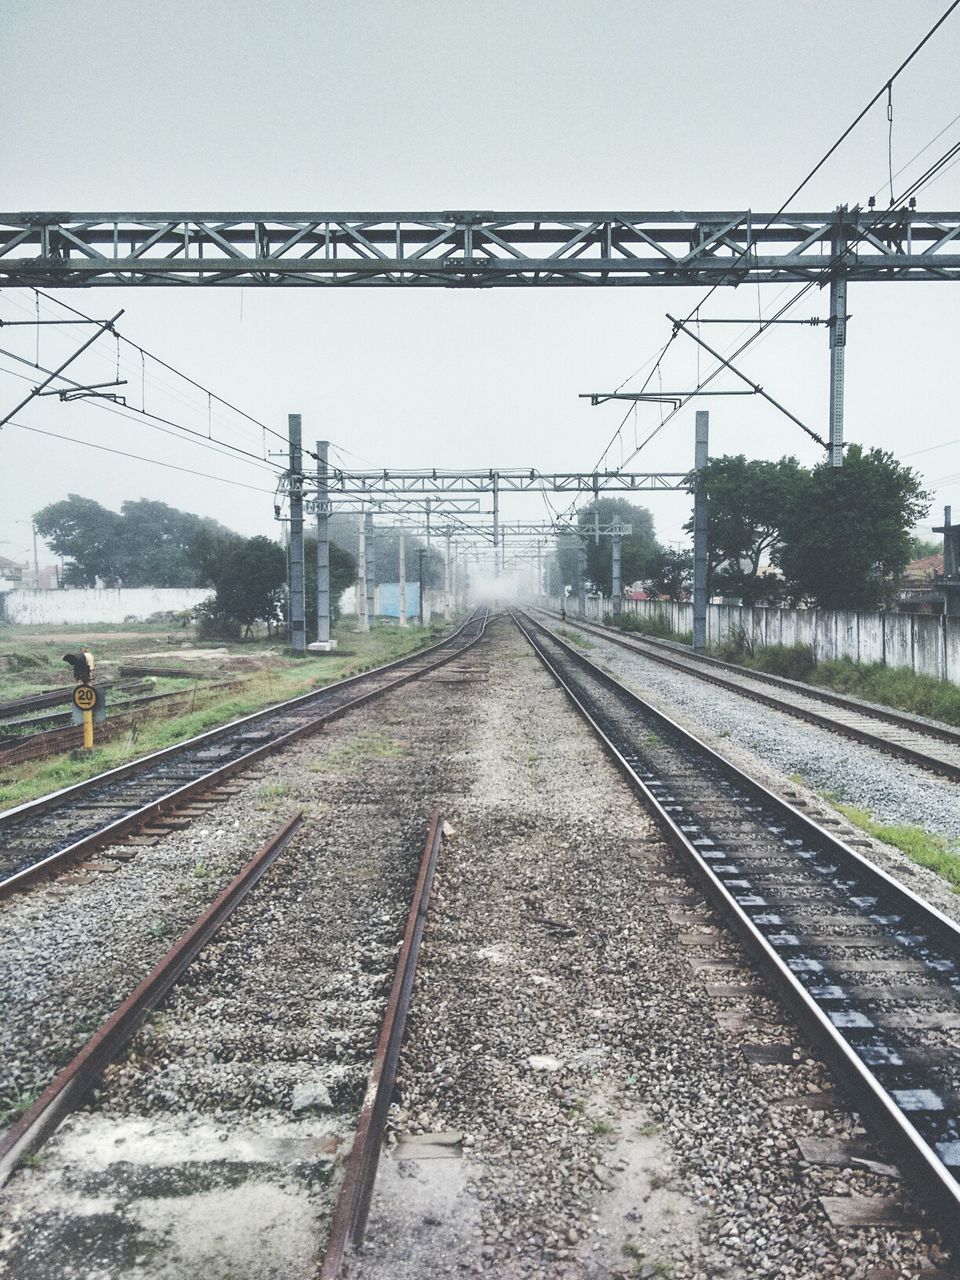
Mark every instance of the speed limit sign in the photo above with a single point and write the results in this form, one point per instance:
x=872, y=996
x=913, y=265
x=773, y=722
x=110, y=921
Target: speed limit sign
x=85, y=697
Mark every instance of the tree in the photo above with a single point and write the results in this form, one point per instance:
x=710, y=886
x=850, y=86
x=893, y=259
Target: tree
x=638, y=549
x=86, y=533
x=846, y=536
x=148, y=544
x=249, y=588
x=920, y=548
x=747, y=502
x=671, y=574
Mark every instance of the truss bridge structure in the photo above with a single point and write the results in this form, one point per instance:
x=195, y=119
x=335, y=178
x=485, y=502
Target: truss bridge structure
x=473, y=248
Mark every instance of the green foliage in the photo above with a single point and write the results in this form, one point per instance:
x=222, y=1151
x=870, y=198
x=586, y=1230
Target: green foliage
x=747, y=501
x=146, y=544
x=639, y=549
x=671, y=574
x=920, y=846
x=920, y=548
x=249, y=587
x=846, y=537
x=658, y=628
x=795, y=662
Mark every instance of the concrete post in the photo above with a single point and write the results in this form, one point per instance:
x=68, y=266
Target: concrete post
x=371, y=570
x=363, y=622
x=616, y=587
x=402, y=556
x=447, y=602
x=496, y=525
x=323, y=643
x=581, y=575
x=701, y=454
x=838, y=343
x=297, y=585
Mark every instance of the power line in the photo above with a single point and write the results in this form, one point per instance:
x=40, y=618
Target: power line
x=102, y=448
x=885, y=88
x=171, y=369
x=126, y=410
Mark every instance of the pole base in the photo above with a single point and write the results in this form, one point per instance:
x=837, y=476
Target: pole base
x=322, y=646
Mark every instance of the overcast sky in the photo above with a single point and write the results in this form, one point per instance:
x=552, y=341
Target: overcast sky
x=592, y=104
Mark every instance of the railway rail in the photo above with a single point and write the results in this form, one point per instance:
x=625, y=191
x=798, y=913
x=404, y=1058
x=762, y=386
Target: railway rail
x=871, y=971
x=44, y=836
x=74, y=1082
x=931, y=746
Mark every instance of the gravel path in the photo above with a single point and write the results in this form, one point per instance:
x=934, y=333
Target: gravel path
x=581, y=1092
x=216, y=1146
x=576, y=1099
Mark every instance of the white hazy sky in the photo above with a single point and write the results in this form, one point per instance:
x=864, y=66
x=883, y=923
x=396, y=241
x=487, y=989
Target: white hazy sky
x=379, y=105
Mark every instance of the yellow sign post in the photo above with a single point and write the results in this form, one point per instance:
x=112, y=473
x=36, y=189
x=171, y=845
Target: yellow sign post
x=85, y=698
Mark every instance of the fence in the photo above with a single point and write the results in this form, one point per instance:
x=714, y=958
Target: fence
x=929, y=646
x=89, y=604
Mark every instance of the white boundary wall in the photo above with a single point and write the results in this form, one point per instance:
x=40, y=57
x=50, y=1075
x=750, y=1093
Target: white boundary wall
x=929, y=646
x=88, y=604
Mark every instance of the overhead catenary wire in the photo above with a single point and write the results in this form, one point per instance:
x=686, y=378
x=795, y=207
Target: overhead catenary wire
x=128, y=410
x=886, y=88
x=170, y=466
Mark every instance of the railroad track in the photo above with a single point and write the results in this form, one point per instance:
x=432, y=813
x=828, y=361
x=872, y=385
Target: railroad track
x=69, y=1089
x=46, y=835
x=931, y=746
x=871, y=972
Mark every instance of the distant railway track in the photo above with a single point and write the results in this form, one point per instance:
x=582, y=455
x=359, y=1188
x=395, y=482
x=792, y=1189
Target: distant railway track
x=871, y=971
x=46, y=835
x=931, y=746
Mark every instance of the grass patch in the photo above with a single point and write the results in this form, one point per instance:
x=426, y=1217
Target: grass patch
x=896, y=687
x=920, y=846
x=576, y=638
x=365, y=746
x=14, y=1101
x=284, y=678
x=656, y=628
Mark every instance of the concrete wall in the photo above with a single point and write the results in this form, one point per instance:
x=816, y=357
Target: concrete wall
x=88, y=605
x=927, y=645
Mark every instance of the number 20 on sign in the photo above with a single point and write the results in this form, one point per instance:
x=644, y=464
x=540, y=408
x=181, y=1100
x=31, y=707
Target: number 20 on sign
x=85, y=697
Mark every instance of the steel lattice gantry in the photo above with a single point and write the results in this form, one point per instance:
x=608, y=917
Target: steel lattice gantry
x=474, y=249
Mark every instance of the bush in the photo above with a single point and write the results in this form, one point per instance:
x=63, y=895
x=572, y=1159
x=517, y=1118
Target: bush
x=657, y=628
x=213, y=623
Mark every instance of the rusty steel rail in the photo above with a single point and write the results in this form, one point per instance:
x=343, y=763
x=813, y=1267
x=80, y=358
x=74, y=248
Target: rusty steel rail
x=353, y=1203
x=68, y=1088
x=169, y=802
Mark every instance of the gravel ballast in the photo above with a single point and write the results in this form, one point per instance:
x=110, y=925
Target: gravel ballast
x=594, y=1081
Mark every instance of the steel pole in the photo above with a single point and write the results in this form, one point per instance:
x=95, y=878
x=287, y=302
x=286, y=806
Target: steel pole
x=581, y=576
x=298, y=601
x=701, y=454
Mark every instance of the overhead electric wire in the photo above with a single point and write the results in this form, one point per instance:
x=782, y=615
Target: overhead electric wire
x=102, y=448
x=171, y=369
x=126, y=410
x=885, y=88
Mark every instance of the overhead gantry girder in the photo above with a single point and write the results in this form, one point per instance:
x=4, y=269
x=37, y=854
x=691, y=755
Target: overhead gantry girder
x=384, y=484
x=473, y=249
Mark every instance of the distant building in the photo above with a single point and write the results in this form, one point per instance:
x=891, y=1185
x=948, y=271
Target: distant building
x=920, y=590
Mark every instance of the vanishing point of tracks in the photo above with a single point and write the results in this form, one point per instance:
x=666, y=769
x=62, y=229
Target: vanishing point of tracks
x=931, y=746
x=46, y=835
x=871, y=972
